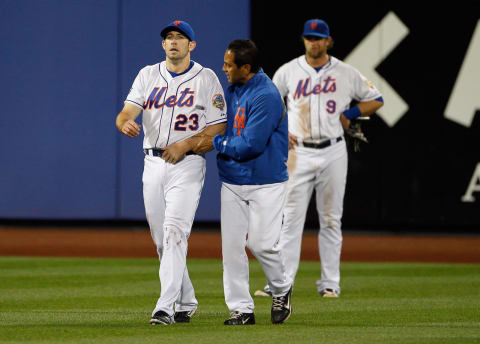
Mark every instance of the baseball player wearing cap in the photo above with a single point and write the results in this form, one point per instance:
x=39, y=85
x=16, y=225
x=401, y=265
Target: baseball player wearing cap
x=319, y=89
x=251, y=161
x=180, y=101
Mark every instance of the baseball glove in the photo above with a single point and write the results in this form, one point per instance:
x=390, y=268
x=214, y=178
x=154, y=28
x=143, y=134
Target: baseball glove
x=356, y=133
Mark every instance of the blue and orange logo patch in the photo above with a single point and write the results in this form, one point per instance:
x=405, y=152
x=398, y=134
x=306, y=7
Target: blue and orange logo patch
x=218, y=102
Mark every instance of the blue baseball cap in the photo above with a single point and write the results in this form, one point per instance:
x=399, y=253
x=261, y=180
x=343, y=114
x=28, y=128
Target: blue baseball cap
x=316, y=27
x=180, y=26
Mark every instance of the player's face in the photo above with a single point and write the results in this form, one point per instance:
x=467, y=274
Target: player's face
x=316, y=47
x=235, y=74
x=177, y=46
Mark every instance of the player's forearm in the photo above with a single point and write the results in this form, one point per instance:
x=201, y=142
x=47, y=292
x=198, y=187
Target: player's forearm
x=215, y=129
x=364, y=109
x=126, y=124
x=210, y=130
x=129, y=112
x=203, y=142
x=122, y=117
x=370, y=107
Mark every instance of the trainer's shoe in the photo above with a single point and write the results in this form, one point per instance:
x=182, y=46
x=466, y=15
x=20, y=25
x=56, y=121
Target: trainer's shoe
x=161, y=318
x=281, y=308
x=183, y=316
x=328, y=292
x=237, y=318
x=266, y=292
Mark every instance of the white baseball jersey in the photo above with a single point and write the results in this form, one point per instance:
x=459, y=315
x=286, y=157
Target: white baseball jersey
x=315, y=102
x=175, y=109
x=317, y=99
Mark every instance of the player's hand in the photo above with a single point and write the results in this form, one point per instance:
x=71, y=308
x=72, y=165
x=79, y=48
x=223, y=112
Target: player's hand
x=203, y=144
x=345, y=122
x=175, y=152
x=130, y=128
x=292, y=141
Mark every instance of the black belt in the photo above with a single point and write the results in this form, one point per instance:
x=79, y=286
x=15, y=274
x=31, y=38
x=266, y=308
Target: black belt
x=159, y=152
x=323, y=144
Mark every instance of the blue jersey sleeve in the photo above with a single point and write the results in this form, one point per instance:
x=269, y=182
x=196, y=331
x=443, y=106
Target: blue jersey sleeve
x=264, y=114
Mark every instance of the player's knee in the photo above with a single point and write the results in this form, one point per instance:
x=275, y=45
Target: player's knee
x=259, y=247
x=331, y=222
x=174, y=236
x=332, y=235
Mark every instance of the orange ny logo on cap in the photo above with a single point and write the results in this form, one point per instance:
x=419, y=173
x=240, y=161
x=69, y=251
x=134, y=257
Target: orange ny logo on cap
x=178, y=22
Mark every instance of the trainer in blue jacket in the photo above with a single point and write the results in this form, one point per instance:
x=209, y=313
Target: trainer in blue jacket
x=254, y=149
x=252, y=163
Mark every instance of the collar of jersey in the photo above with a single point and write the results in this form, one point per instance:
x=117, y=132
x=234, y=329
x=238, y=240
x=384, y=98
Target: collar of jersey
x=331, y=61
x=185, y=71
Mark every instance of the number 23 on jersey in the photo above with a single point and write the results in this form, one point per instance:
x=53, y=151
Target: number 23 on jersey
x=183, y=122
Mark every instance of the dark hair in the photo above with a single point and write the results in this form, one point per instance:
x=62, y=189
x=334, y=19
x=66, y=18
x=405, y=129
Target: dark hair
x=246, y=52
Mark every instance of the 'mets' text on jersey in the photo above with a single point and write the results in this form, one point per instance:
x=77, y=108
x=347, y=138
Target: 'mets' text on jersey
x=176, y=107
x=304, y=89
x=317, y=99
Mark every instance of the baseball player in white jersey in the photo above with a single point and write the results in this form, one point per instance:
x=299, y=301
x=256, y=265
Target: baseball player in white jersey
x=319, y=89
x=180, y=101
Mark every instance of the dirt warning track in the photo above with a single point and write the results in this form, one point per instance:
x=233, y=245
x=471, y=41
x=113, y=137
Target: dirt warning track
x=101, y=242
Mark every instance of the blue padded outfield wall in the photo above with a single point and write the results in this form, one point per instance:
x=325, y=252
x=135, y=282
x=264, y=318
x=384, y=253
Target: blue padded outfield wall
x=66, y=66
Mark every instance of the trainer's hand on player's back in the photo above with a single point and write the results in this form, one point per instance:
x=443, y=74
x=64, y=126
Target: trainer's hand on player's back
x=130, y=128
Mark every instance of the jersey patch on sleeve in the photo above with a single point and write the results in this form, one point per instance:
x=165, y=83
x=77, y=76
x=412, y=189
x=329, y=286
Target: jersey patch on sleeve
x=369, y=84
x=218, y=102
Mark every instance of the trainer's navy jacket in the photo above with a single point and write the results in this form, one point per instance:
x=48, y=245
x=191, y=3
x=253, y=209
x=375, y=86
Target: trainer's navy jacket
x=254, y=149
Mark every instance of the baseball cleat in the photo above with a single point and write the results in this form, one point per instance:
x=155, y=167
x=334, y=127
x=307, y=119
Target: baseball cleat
x=238, y=318
x=161, y=318
x=327, y=292
x=263, y=293
x=281, y=308
x=183, y=316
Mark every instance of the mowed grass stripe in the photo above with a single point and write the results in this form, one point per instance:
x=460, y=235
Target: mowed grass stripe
x=68, y=300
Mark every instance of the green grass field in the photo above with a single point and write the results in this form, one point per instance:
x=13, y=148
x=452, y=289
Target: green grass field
x=71, y=300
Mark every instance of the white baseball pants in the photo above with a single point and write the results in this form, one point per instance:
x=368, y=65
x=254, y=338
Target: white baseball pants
x=326, y=171
x=171, y=194
x=251, y=215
